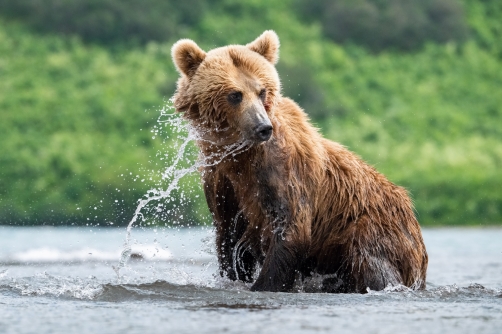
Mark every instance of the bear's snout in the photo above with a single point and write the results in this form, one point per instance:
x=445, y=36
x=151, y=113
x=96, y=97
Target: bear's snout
x=255, y=123
x=263, y=132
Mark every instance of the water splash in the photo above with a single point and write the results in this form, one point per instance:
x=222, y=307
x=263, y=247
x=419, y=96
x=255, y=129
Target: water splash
x=44, y=284
x=172, y=175
x=3, y=273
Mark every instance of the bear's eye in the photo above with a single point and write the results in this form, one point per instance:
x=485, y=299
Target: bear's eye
x=263, y=94
x=235, y=97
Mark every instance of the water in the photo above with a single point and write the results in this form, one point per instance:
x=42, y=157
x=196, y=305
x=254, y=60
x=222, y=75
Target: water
x=60, y=280
x=171, y=176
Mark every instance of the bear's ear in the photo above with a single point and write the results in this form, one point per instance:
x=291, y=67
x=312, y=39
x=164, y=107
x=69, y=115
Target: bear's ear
x=187, y=56
x=267, y=45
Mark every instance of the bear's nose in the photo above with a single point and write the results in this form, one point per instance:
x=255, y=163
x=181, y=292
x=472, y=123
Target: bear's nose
x=263, y=132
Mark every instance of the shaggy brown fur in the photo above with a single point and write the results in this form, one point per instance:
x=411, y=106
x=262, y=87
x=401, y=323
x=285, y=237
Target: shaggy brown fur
x=293, y=202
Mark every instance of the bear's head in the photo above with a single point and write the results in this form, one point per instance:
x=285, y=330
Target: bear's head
x=229, y=93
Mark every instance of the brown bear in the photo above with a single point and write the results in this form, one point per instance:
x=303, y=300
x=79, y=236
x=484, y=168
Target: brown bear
x=282, y=197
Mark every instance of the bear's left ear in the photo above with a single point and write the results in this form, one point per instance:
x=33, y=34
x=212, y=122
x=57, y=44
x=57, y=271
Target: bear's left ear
x=187, y=56
x=267, y=45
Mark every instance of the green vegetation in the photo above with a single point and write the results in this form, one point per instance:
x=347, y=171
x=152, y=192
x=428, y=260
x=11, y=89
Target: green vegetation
x=81, y=88
x=108, y=21
x=384, y=24
x=77, y=123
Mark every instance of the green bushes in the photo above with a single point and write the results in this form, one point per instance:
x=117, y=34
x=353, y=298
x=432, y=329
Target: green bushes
x=108, y=21
x=383, y=24
x=76, y=125
x=484, y=20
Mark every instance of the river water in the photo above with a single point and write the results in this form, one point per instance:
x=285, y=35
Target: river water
x=61, y=280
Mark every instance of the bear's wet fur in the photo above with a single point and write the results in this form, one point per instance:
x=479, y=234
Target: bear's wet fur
x=287, y=200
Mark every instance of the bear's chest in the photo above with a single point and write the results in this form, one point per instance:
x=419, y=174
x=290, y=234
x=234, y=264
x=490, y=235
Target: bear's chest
x=261, y=190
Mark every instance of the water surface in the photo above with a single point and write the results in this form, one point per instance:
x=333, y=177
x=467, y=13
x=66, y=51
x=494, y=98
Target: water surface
x=60, y=280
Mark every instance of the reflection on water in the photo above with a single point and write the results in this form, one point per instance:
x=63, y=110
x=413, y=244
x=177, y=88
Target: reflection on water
x=172, y=282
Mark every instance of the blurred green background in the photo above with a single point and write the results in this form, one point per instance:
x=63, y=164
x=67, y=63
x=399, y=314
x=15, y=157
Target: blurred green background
x=413, y=86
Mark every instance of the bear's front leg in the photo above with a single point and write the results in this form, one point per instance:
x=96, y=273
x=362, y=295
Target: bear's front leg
x=236, y=260
x=279, y=268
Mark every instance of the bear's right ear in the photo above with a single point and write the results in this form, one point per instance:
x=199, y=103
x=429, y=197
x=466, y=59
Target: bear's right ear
x=187, y=56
